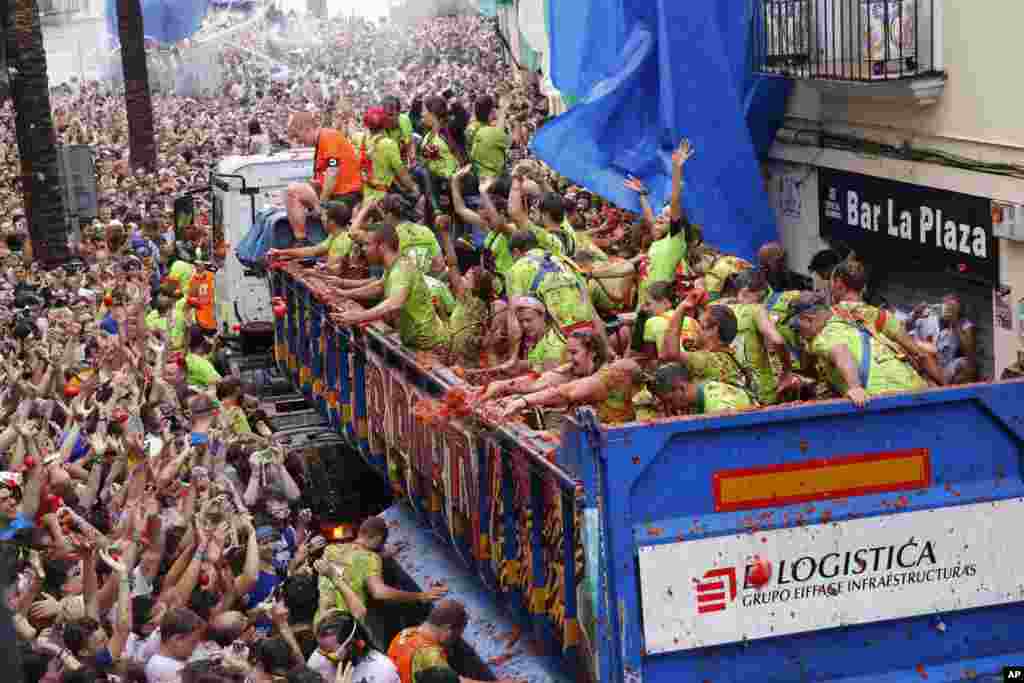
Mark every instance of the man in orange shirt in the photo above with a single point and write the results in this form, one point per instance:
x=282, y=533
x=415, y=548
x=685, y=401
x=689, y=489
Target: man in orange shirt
x=335, y=172
x=201, y=295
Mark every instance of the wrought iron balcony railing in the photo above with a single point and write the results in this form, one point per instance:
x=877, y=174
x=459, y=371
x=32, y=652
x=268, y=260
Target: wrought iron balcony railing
x=848, y=40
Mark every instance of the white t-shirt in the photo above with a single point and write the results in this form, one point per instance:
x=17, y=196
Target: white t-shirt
x=161, y=669
x=375, y=667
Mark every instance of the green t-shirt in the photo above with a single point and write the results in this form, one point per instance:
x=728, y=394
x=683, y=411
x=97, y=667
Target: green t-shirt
x=550, y=348
x=751, y=352
x=663, y=258
x=445, y=164
x=468, y=327
x=471, y=130
x=403, y=134
x=716, y=397
x=497, y=243
x=562, y=290
x=386, y=156
x=441, y=295
x=778, y=305
x=656, y=327
x=200, y=372
x=490, y=147
x=418, y=243
x=237, y=420
x=419, y=326
x=156, y=321
x=359, y=566
x=180, y=327
x=886, y=372
x=338, y=245
x=182, y=271
x=548, y=241
x=716, y=366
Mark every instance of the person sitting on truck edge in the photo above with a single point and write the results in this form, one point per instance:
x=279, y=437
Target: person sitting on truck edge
x=335, y=172
x=852, y=361
x=337, y=246
x=677, y=394
x=405, y=293
x=360, y=565
x=414, y=240
x=380, y=159
x=848, y=282
x=759, y=346
x=419, y=649
x=589, y=378
x=714, y=360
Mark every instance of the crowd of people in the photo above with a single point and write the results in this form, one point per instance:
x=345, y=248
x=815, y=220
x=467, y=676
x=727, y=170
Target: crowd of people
x=156, y=530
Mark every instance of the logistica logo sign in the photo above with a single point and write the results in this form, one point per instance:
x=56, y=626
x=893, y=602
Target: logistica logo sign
x=713, y=589
x=829, y=575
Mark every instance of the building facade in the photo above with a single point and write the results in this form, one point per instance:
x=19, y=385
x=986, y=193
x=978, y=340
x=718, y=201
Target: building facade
x=902, y=140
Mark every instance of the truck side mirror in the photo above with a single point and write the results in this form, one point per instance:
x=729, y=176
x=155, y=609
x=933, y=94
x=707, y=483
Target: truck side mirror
x=184, y=215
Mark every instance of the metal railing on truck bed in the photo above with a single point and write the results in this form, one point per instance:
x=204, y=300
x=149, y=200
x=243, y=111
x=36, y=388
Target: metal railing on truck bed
x=801, y=543
x=493, y=494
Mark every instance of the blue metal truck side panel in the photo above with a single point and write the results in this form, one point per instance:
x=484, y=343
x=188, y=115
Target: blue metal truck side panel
x=526, y=518
x=653, y=484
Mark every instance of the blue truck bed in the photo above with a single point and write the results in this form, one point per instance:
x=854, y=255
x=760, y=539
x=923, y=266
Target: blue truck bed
x=812, y=542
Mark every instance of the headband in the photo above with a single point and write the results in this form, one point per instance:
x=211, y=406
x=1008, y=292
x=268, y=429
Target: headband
x=528, y=302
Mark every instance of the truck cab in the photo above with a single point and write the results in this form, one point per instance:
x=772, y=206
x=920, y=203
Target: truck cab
x=241, y=188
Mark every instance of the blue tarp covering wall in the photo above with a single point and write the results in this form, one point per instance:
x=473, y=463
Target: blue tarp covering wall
x=168, y=21
x=649, y=73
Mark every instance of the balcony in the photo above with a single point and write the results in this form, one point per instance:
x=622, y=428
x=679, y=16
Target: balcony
x=854, y=48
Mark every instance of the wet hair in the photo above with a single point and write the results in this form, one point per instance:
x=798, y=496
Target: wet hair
x=437, y=674
x=202, y=602
x=386, y=235
x=391, y=204
x=142, y=610
x=594, y=343
x=76, y=633
x=225, y=633
x=374, y=527
x=667, y=376
x=725, y=321
x=448, y=614
x=661, y=290
x=228, y=387
x=551, y=206
x=483, y=107
x=255, y=128
x=852, y=273
x=179, y=621
x=339, y=214
x=34, y=665
x=752, y=279
x=522, y=240
x=273, y=655
x=307, y=675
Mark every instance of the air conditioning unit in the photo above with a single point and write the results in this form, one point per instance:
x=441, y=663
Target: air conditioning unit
x=1008, y=221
